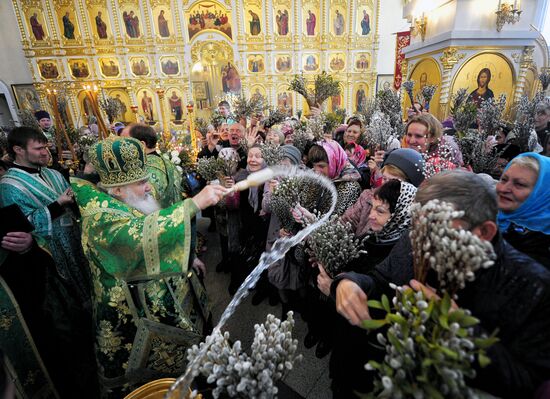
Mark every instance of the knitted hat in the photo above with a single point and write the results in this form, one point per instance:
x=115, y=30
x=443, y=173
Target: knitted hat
x=41, y=115
x=292, y=153
x=119, y=161
x=409, y=161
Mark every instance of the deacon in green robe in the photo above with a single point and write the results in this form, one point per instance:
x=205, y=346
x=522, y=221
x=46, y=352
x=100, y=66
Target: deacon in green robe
x=45, y=197
x=148, y=306
x=163, y=175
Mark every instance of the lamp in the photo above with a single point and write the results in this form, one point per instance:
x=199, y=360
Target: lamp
x=419, y=27
x=507, y=14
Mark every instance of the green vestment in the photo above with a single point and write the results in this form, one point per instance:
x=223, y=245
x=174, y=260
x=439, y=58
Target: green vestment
x=33, y=192
x=148, y=307
x=165, y=179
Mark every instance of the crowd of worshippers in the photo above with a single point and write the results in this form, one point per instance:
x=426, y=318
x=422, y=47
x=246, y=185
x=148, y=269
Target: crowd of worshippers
x=109, y=278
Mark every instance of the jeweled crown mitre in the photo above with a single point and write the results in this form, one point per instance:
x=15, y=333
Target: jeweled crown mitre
x=119, y=161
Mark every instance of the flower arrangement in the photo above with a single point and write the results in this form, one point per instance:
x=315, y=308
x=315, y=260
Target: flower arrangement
x=111, y=106
x=230, y=159
x=430, y=349
x=284, y=198
x=366, y=112
x=301, y=138
x=201, y=125
x=464, y=112
x=408, y=86
x=272, y=154
x=217, y=119
x=333, y=120
x=275, y=116
x=210, y=168
x=389, y=103
x=315, y=127
x=454, y=254
x=490, y=113
x=239, y=375
x=524, y=124
x=475, y=152
x=325, y=86
x=379, y=131
x=427, y=94
x=246, y=108
x=27, y=119
x=334, y=245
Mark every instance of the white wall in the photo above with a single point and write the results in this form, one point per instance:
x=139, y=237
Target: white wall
x=390, y=22
x=14, y=67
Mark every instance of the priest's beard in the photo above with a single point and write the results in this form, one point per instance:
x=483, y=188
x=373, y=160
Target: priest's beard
x=146, y=204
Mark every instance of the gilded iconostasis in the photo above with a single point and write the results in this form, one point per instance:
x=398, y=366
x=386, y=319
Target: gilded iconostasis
x=155, y=56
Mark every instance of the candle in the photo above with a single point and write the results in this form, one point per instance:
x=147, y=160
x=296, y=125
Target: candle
x=515, y=4
x=499, y=4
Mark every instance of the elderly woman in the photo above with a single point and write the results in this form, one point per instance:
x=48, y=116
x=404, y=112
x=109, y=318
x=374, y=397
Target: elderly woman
x=387, y=219
x=424, y=133
x=523, y=198
x=251, y=229
x=327, y=158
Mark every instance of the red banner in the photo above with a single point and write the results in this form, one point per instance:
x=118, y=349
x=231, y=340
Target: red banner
x=403, y=39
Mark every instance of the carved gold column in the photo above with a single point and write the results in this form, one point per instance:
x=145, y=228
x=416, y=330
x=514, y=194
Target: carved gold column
x=192, y=132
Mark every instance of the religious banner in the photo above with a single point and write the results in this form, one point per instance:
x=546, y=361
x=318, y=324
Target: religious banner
x=403, y=39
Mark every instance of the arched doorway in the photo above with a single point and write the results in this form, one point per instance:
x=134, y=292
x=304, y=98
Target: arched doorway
x=213, y=74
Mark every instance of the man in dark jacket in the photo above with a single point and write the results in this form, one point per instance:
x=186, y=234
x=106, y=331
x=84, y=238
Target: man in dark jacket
x=513, y=295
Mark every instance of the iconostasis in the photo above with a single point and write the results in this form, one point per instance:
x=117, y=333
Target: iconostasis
x=155, y=56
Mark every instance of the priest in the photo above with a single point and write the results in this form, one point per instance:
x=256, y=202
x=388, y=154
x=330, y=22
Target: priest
x=149, y=307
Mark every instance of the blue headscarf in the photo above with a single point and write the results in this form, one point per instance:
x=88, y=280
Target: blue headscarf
x=534, y=213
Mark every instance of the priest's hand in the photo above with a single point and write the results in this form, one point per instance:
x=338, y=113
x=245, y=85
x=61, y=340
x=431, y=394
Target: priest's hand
x=351, y=302
x=17, y=241
x=210, y=195
x=66, y=198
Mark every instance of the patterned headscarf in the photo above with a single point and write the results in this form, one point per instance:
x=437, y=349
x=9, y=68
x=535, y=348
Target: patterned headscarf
x=337, y=158
x=400, y=220
x=359, y=155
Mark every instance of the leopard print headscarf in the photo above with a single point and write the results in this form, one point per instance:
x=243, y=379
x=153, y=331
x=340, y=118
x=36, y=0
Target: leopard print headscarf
x=400, y=220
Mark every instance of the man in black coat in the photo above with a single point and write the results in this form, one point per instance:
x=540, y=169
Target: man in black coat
x=513, y=295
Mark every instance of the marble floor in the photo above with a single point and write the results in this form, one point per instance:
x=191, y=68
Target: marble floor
x=309, y=378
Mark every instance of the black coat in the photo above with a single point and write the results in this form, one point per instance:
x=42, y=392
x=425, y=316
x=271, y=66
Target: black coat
x=513, y=295
x=532, y=243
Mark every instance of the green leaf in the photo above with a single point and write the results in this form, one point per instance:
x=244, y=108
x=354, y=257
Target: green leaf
x=386, y=303
x=483, y=360
x=448, y=352
x=445, y=304
x=443, y=320
x=373, y=324
x=432, y=392
x=396, y=318
x=468, y=321
x=484, y=343
x=375, y=304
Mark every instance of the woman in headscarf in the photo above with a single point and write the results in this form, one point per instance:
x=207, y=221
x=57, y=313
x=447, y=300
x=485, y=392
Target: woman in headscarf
x=523, y=198
x=252, y=225
x=387, y=219
x=327, y=158
x=357, y=157
x=288, y=276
